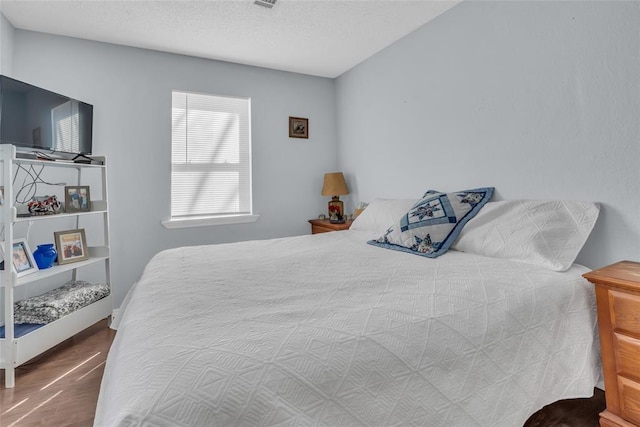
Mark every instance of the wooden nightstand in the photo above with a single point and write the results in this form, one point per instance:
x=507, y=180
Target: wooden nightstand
x=618, y=297
x=324, y=226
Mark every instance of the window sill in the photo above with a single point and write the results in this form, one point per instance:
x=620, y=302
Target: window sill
x=204, y=221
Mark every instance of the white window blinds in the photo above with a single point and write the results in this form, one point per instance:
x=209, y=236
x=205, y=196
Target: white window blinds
x=210, y=155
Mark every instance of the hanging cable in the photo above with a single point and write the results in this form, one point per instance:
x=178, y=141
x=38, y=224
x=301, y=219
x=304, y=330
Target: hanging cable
x=28, y=191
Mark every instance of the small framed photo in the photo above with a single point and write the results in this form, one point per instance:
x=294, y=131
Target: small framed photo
x=77, y=198
x=71, y=246
x=298, y=127
x=22, y=258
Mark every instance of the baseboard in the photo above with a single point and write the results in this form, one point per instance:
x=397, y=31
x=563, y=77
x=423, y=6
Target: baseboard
x=115, y=319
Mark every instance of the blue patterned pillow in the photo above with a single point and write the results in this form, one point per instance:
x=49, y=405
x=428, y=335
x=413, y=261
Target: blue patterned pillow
x=434, y=222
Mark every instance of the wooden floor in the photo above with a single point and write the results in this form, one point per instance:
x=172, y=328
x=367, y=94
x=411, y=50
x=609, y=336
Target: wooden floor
x=60, y=388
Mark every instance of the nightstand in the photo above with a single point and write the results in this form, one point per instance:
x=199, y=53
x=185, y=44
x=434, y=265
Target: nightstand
x=618, y=298
x=324, y=226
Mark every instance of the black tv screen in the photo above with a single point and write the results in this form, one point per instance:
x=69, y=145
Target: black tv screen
x=35, y=119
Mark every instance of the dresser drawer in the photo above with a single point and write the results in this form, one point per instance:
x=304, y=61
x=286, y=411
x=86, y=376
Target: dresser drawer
x=627, y=354
x=625, y=310
x=629, y=399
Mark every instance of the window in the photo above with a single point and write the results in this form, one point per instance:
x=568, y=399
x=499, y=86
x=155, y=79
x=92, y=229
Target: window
x=210, y=160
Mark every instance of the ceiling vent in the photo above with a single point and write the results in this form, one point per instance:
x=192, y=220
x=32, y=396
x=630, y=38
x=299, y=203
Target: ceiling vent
x=265, y=3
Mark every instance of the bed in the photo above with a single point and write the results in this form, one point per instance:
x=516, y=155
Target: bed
x=332, y=329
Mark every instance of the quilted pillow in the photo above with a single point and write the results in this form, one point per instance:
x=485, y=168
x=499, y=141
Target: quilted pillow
x=380, y=214
x=548, y=233
x=431, y=226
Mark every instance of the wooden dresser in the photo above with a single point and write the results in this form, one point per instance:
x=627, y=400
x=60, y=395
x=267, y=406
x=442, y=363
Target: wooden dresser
x=324, y=226
x=618, y=298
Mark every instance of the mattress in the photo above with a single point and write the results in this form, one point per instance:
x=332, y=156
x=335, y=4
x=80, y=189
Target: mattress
x=327, y=330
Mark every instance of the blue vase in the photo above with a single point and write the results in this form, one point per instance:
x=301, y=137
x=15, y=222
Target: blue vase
x=45, y=255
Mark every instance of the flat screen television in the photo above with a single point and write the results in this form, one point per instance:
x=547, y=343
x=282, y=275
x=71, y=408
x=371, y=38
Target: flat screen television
x=37, y=120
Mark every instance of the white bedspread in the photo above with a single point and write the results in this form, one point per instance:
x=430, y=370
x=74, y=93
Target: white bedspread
x=327, y=330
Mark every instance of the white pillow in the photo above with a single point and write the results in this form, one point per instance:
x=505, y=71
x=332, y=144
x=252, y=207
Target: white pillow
x=381, y=214
x=549, y=233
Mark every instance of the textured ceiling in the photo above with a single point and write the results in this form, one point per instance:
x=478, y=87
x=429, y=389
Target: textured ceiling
x=317, y=37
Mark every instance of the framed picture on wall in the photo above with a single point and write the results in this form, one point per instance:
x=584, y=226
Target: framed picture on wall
x=71, y=246
x=298, y=127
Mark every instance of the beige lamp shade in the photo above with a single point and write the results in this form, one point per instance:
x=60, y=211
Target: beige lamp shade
x=334, y=184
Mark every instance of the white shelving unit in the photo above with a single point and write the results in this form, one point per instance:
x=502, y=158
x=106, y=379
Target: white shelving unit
x=14, y=351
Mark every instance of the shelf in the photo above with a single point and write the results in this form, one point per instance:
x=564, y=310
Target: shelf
x=99, y=206
x=96, y=254
x=60, y=163
x=31, y=344
x=15, y=351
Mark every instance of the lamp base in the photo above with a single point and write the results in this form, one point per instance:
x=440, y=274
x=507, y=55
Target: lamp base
x=336, y=209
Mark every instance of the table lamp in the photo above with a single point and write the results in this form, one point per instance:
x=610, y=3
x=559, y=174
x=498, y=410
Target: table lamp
x=334, y=185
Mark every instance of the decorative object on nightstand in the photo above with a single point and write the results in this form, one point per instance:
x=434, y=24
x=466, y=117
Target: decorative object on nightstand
x=359, y=209
x=335, y=186
x=618, y=299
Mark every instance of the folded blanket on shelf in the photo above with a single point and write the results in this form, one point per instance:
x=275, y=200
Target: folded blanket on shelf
x=58, y=302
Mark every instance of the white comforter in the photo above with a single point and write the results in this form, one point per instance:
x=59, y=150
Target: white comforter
x=327, y=330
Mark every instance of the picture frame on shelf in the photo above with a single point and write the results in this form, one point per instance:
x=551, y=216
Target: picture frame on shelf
x=298, y=127
x=71, y=246
x=77, y=198
x=21, y=257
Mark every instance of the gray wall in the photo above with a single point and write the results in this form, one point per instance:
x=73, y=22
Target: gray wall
x=131, y=93
x=6, y=45
x=539, y=99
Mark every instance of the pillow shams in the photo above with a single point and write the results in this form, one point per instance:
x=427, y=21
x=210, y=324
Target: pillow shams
x=434, y=222
x=381, y=213
x=549, y=233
